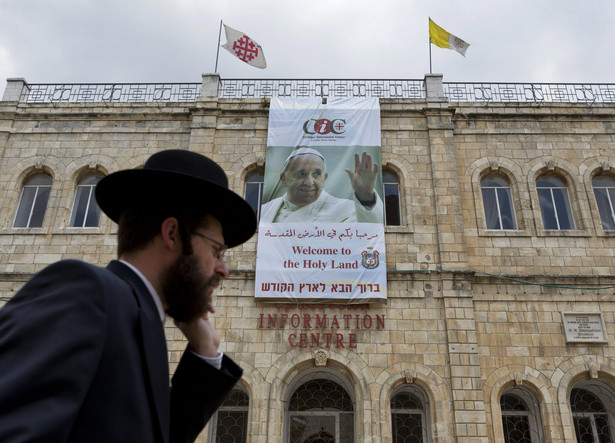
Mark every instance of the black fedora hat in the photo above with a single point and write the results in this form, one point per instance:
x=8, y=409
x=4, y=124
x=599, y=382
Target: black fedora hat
x=186, y=177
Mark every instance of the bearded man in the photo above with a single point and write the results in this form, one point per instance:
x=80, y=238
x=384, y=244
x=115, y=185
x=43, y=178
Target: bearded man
x=83, y=355
x=304, y=176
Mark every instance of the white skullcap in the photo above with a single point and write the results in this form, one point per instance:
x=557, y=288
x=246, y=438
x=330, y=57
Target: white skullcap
x=302, y=151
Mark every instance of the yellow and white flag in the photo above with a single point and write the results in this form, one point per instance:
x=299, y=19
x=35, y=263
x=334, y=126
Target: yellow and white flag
x=444, y=39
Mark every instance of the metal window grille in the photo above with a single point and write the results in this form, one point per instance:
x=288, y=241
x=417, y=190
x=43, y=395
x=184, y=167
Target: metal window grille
x=320, y=410
x=409, y=416
x=520, y=417
x=593, y=409
x=232, y=419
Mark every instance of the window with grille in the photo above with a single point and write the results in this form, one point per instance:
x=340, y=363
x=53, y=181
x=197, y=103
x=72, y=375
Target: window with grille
x=409, y=416
x=520, y=417
x=320, y=410
x=604, y=190
x=86, y=212
x=33, y=202
x=554, y=203
x=498, y=203
x=592, y=406
x=232, y=419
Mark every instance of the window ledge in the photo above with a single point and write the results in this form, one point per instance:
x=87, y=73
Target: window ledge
x=25, y=231
x=398, y=229
x=562, y=233
x=504, y=233
x=75, y=230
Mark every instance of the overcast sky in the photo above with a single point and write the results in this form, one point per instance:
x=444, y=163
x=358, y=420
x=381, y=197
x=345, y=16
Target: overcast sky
x=133, y=41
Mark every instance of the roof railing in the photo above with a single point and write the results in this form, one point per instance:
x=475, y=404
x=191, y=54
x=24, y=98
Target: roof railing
x=406, y=89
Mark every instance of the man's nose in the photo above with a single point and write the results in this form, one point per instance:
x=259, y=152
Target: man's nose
x=221, y=269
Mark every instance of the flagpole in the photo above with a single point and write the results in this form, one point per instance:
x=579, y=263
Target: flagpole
x=218, y=51
x=429, y=39
x=430, y=56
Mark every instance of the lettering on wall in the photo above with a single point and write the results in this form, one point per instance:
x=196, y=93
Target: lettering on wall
x=321, y=325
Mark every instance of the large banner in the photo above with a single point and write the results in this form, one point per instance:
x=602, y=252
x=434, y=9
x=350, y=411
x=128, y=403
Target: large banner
x=321, y=231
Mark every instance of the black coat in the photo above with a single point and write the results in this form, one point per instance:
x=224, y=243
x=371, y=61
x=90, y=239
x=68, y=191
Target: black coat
x=83, y=358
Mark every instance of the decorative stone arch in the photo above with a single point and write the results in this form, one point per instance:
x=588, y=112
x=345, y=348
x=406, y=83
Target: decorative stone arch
x=435, y=388
x=349, y=365
x=247, y=164
x=534, y=381
x=570, y=175
x=136, y=162
x=590, y=168
x=404, y=170
x=482, y=167
x=100, y=164
x=74, y=172
x=571, y=371
x=22, y=172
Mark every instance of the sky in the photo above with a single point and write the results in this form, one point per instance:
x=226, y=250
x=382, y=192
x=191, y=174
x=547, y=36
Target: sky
x=172, y=41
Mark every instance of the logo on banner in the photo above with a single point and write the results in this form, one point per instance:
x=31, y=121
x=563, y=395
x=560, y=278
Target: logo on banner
x=324, y=126
x=370, y=259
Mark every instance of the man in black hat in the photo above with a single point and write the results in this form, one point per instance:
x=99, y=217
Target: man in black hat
x=83, y=354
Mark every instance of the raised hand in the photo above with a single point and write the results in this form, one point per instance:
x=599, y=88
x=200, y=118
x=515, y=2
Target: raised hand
x=201, y=334
x=364, y=176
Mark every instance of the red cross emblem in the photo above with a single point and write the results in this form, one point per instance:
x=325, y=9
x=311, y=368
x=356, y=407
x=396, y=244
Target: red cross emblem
x=245, y=49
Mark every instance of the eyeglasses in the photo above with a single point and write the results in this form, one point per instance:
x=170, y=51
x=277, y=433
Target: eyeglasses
x=219, y=249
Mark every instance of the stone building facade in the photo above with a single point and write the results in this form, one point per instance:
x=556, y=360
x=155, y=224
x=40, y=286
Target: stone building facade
x=501, y=273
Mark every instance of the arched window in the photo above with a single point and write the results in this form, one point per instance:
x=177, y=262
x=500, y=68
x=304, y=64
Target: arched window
x=253, y=190
x=498, y=202
x=604, y=190
x=33, y=202
x=232, y=419
x=554, y=203
x=520, y=417
x=320, y=410
x=409, y=416
x=592, y=406
x=86, y=212
x=392, y=200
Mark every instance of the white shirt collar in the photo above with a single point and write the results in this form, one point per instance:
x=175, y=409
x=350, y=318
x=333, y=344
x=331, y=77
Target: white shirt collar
x=150, y=288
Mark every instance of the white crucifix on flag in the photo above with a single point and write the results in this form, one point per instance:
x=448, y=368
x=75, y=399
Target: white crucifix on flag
x=244, y=48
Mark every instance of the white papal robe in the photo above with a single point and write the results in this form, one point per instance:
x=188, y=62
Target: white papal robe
x=325, y=209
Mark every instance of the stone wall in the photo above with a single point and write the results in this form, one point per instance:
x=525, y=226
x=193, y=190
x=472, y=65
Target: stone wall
x=470, y=312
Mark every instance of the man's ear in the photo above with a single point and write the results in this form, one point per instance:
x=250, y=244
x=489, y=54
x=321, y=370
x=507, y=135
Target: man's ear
x=169, y=232
x=283, y=179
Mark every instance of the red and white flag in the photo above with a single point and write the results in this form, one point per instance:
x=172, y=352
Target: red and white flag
x=244, y=48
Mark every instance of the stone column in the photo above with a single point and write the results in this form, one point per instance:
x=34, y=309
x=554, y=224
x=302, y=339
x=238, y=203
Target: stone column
x=447, y=194
x=470, y=420
x=433, y=87
x=205, y=117
x=14, y=87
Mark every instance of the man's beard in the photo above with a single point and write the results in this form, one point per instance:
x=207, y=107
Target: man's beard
x=186, y=290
